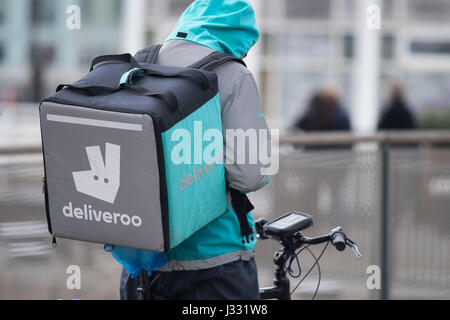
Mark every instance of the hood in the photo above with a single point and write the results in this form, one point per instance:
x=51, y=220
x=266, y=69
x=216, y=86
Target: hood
x=227, y=26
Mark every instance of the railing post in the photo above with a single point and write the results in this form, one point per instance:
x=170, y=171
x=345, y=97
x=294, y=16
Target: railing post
x=384, y=234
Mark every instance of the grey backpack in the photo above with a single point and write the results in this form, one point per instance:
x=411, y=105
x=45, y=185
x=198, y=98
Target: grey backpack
x=116, y=164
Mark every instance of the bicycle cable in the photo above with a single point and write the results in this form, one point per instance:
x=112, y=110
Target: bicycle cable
x=320, y=274
x=312, y=267
x=294, y=256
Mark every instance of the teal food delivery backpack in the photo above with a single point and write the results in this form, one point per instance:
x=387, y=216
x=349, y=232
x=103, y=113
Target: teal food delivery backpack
x=133, y=155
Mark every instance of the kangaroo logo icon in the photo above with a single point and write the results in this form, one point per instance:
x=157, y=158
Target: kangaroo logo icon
x=103, y=180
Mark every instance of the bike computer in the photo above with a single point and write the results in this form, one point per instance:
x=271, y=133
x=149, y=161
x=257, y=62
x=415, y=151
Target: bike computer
x=287, y=224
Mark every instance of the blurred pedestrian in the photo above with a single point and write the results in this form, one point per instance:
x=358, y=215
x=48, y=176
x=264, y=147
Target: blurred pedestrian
x=324, y=113
x=396, y=114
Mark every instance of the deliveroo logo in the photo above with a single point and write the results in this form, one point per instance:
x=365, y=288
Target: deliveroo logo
x=103, y=180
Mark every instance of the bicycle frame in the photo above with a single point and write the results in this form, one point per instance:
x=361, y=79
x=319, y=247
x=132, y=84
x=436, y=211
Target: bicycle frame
x=281, y=288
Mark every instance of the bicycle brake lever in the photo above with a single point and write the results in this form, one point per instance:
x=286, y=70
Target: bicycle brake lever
x=354, y=247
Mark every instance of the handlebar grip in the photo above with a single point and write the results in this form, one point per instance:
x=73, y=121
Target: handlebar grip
x=259, y=226
x=339, y=241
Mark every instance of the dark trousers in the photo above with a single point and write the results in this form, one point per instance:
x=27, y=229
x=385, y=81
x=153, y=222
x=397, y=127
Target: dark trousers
x=236, y=280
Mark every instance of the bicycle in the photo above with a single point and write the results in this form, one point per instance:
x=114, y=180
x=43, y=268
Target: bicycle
x=287, y=230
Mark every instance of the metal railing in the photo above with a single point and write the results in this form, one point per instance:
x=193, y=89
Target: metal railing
x=313, y=139
x=379, y=153
x=390, y=137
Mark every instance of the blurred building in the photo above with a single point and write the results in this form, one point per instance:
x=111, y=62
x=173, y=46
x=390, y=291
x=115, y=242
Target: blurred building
x=310, y=44
x=33, y=30
x=305, y=45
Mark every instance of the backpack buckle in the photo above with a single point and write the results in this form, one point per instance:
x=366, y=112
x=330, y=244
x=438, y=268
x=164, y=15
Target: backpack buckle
x=127, y=77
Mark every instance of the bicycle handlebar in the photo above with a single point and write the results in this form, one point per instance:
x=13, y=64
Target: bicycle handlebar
x=290, y=236
x=337, y=237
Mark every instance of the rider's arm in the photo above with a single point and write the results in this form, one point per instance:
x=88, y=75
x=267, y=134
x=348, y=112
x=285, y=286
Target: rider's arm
x=242, y=118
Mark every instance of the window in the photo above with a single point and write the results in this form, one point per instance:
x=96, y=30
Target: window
x=308, y=46
x=349, y=46
x=86, y=11
x=307, y=9
x=429, y=10
x=42, y=11
x=2, y=11
x=428, y=91
x=387, y=46
x=2, y=52
x=387, y=12
x=441, y=47
x=42, y=54
x=116, y=8
x=106, y=12
x=177, y=7
x=265, y=40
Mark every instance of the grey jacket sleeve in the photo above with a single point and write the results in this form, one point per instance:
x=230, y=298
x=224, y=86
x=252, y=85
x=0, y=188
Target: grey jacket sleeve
x=246, y=136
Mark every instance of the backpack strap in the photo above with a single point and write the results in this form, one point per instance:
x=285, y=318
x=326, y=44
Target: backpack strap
x=239, y=200
x=242, y=206
x=215, y=59
x=149, y=54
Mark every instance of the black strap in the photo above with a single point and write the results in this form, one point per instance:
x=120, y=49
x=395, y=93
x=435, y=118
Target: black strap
x=215, y=59
x=242, y=206
x=89, y=90
x=153, y=52
x=126, y=58
x=144, y=286
x=148, y=54
x=167, y=96
x=195, y=74
x=47, y=207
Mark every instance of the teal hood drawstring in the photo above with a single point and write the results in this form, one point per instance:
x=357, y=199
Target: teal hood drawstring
x=227, y=26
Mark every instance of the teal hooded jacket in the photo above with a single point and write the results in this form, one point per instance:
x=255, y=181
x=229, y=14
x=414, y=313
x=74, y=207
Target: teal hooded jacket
x=227, y=26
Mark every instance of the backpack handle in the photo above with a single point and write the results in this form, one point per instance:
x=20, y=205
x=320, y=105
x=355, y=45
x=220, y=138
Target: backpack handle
x=197, y=75
x=89, y=90
x=167, y=96
x=125, y=58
